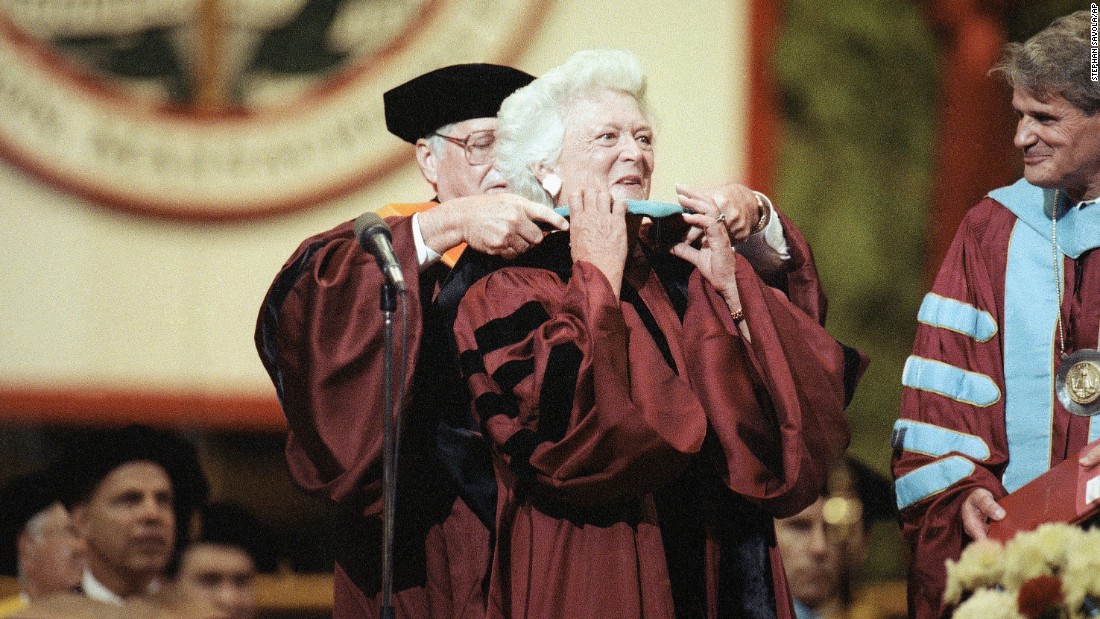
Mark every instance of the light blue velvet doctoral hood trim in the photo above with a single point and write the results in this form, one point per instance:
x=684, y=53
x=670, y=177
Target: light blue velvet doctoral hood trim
x=1078, y=224
x=1031, y=308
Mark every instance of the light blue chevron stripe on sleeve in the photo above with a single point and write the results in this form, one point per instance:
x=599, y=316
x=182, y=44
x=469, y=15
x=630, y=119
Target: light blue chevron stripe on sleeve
x=949, y=381
x=930, y=479
x=945, y=313
x=936, y=441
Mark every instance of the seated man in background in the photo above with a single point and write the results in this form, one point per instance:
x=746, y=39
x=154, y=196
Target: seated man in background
x=823, y=548
x=39, y=544
x=132, y=493
x=221, y=564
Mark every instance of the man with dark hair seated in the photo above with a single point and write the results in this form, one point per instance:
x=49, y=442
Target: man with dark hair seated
x=823, y=547
x=132, y=493
x=221, y=565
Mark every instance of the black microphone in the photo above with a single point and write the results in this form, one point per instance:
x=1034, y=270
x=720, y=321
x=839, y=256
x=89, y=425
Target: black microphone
x=374, y=236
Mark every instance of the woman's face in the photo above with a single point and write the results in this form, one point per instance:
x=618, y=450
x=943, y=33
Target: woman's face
x=608, y=142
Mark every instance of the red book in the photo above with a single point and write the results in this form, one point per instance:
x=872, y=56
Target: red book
x=1068, y=492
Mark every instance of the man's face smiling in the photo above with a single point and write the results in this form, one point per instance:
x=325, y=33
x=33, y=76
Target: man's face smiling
x=1061, y=144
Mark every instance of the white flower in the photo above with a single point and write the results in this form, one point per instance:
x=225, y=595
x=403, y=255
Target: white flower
x=989, y=604
x=980, y=566
x=988, y=576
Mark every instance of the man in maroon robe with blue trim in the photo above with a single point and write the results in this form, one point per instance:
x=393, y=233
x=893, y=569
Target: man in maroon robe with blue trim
x=1018, y=293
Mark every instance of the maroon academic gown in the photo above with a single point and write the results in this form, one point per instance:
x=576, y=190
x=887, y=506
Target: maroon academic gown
x=979, y=385
x=320, y=337
x=625, y=439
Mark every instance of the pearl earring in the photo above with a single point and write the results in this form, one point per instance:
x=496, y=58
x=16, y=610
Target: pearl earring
x=552, y=184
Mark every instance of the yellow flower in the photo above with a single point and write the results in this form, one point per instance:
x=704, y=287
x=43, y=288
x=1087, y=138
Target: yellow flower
x=986, y=580
x=1042, y=552
x=980, y=566
x=1082, y=574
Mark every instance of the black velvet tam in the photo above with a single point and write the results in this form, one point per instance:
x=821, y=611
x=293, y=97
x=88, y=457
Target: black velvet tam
x=92, y=456
x=422, y=105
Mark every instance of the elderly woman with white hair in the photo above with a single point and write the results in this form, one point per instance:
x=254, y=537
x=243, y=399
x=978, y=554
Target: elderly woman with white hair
x=649, y=410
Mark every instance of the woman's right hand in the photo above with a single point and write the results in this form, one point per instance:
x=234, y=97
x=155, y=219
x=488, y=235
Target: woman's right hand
x=598, y=233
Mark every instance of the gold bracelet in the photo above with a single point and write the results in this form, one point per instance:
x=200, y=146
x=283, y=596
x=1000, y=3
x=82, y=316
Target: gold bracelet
x=765, y=215
x=738, y=316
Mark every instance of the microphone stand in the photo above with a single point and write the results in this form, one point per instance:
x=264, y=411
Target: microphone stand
x=388, y=305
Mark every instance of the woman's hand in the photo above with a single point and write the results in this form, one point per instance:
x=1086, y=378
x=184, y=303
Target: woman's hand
x=739, y=204
x=714, y=257
x=598, y=233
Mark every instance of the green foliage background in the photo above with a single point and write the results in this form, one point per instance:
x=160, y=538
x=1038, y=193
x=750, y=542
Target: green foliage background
x=858, y=83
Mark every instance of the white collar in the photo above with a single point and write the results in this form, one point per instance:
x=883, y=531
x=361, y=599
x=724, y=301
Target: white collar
x=97, y=590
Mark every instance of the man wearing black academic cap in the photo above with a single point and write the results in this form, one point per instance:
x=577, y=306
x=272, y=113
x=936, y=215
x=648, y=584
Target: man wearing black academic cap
x=450, y=116
x=132, y=492
x=321, y=339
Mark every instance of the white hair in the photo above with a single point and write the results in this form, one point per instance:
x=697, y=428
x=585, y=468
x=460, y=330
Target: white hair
x=34, y=528
x=532, y=120
x=36, y=523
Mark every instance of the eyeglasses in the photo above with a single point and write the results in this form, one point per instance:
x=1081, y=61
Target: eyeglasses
x=479, y=146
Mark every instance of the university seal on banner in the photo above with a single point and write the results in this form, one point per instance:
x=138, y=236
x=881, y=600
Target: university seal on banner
x=226, y=109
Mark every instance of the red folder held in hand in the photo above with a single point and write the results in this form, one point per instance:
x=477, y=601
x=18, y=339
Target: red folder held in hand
x=1068, y=492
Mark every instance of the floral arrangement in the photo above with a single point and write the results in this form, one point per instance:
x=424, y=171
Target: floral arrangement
x=1052, y=572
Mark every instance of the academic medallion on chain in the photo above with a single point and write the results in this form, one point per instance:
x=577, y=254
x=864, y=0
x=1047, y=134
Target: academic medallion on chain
x=1078, y=382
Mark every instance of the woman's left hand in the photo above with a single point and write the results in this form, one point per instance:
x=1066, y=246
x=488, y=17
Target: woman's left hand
x=738, y=206
x=714, y=257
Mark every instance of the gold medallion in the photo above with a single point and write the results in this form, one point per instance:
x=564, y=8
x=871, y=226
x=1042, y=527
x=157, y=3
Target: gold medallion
x=1078, y=382
x=1083, y=382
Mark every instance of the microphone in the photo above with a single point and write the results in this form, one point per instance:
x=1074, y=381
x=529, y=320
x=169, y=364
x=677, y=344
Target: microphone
x=374, y=236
